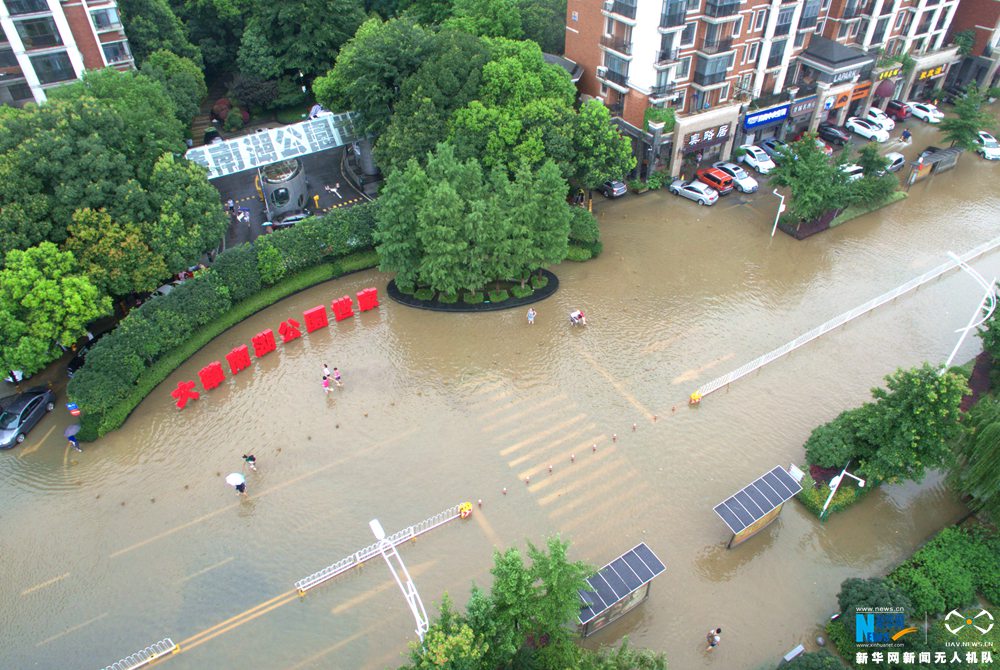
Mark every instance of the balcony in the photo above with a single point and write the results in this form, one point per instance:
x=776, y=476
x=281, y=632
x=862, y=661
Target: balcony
x=703, y=79
x=782, y=29
x=716, y=46
x=667, y=57
x=621, y=8
x=672, y=19
x=851, y=12
x=808, y=22
x=618, y=44
x=721, y=9
x=617, y=109
x=614, y=77
x=19, y=7
x=662, y=90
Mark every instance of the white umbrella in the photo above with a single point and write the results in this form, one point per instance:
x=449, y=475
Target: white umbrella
x=235, y=479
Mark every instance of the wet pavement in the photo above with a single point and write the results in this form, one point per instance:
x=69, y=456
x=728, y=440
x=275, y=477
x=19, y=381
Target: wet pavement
x=138, y=538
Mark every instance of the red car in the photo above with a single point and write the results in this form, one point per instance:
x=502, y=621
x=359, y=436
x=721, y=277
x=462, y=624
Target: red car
x=898, y=110
x=717, y=179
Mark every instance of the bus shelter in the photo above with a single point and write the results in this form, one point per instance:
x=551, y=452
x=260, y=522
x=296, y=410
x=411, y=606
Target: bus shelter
x=757, y=504
x=617, y=588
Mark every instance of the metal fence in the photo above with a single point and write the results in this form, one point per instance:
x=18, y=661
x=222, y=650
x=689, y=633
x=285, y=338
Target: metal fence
x=837, y=321
x=145, y=656
x=372, y=550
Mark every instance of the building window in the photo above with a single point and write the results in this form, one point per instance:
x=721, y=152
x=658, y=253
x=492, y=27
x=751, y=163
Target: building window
x=777, y=53
x=759, y=21
x=7, y=58
x=724, y=92
x=106, y=19
x=738, y=27
x=687, y=37
x=694, y=6
x=942, y=19
x=746, y=82
x=820, y=27
x=800, y=38
x=116, y=52
x=880, y=30
x=750, y=55
x=683, y=69
x=52, y=68
x=679, y=101
x=17, y=7
x=844, y=29
x=609, y=29
x=785, y=15
x=899, y=20
x=38, y=33
x=20, y=92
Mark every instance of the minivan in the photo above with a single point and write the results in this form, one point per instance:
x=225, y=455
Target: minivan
x=897, y=110
x=717, y=179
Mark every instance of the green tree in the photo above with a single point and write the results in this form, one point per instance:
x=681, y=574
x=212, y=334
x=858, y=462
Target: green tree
x=450, y=644
x=426, y=12
x=835, y=443
x=371, y=68
x=557, y=582
x=215, y=27
x=151, y=25
x=44, y=301
x=978, y=469
x=114, y=256
x=914, y=424
x=444, y=232
x=817, y=186
x=876, y=184
x=488, y=18
x=548, y=218
x=600, y=151
x=182, y=80
x=966, y=40
x=544, y=22
x=989, y=333
x=962, y=129
x=396, y=238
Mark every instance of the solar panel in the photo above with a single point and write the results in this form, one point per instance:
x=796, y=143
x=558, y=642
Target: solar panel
x=758, y=498
x=616, y=580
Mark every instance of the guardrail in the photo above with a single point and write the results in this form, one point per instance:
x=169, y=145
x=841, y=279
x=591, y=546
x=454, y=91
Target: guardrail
x=372, y=550
x=146, y=656
x=837, y=321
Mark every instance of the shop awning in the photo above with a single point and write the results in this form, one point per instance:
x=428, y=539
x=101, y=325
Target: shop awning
x=619, y=578
x=885, y=89
x=755, y=500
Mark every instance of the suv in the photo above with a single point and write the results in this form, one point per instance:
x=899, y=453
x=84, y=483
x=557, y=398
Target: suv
x=898, y=110
x=717, y=179
x=613, y=189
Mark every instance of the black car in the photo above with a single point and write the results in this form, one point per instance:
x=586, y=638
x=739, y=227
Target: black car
x=77, y=361
x=19, y=414
x=833, y=134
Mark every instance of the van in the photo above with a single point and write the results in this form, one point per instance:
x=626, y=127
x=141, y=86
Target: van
x=717, y=179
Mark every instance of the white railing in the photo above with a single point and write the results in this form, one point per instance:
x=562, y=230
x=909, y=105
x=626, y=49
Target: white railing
x=372, y=550
x=838, y=321
x=145, y=656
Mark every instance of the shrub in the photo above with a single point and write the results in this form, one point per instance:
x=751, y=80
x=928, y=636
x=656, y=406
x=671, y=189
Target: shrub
x=835, y=443
x=539, y=281
x=577, y=253
x=657, y=114
x=521, y=292
x=816, y=660
x=841, y=638
x=583, y=227
x=658, y=179
x=424, y=294
x=814, y=497
x=238, y=271
x=923, y=594
x=234, y=120
x=472, y=298
x=636, y=185
x=448, y=298
x=270, y=264
x=406, y=288
x=499, y=296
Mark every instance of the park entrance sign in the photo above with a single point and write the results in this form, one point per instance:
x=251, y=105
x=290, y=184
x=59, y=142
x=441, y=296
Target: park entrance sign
x=272, y=145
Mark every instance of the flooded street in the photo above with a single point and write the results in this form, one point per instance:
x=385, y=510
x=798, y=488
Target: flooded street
x=139, y=538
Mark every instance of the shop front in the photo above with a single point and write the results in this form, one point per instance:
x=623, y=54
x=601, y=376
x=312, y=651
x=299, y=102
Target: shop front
x=888, y=85
x=765, y=123
x=703, y=138
x=800, y=115
x=840, y=73
x=929, y=73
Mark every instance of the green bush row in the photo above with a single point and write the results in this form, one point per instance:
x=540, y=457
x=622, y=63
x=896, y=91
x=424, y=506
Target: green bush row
x=127, y=364
x=813, y=496
x=577, y=253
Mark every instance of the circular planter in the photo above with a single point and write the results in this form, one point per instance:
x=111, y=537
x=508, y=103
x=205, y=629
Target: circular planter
x=485, y=306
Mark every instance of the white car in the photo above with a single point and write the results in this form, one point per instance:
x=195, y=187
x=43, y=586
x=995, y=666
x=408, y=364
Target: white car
x=853, y=171
x=879, y=118
x=700, y=192
x=896, y=161
x=987, y=146
x=741, y=178
x=925, y=111
x=757, y=158
x=867, y=129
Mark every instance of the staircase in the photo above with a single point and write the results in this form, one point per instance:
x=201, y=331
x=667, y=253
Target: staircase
x=203, y=121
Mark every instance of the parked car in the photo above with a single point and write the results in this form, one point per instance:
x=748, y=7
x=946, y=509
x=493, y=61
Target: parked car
x=741, y=178
x=78, y=360
x=925, y=111
x=866, y=129
x=164, y=290
x=853, y=171
x=289, y=219
x=695, y=190
x=951, y=93
x=211, y=136
x=19, y=413
x=897, y=109
x=824, y=147
x=717, y=179
x=757, y=158
x=834, y=134
x=879, y=118
x=987, y=146
x=774, y=148
x=613, y=189
x=896, y=161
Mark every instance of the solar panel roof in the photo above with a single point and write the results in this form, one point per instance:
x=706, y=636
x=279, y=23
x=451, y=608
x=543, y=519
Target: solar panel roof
x=757, y=499
x=622, y=576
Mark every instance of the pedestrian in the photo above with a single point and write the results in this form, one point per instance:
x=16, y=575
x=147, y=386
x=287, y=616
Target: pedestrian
x=336, y=377
x=250, y=460
x=241, y=489
x=75, y=443
x=906, y=135
x=714, y=637
x=531, y=316
x=326, y=384
x=231, y=206
x=326, y=371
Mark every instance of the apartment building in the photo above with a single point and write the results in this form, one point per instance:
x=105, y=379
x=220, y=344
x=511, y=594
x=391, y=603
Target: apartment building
x=982, y=65
x=45, y=43
x=738, y=71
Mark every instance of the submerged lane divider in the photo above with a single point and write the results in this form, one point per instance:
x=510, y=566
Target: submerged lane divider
x=372, y=550
x=146, y=656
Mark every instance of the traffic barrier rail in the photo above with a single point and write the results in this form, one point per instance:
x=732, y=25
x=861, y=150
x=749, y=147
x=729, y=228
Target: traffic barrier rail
x=145, y=656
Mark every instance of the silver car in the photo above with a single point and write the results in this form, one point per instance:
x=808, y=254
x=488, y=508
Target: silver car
x=701, y=193
x=19, y=414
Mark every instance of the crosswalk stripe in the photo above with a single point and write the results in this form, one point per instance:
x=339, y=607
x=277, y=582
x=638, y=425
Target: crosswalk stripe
x=533, y=408
x=499, y=410
x=550, y=445
x=610, y=508
x=543, y=434
x=611, y=487
x=598, y=468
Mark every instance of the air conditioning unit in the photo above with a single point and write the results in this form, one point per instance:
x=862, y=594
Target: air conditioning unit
x=602, y=71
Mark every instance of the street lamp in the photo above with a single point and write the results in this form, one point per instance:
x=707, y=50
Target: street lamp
x=388, y=549
x=835, y=484
x=781, y=208
x=987, y=305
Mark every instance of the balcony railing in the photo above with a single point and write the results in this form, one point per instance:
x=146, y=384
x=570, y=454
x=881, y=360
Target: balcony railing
x=18, y=7
x=616, y=77
x=618, y=44
x=667, y=56
x=672, y=19
x=782, y=28
x=661, y=90
x=623, y=8
x=617, y=108
x=42, y=41
x=808, y=21
x=716, y=46
x=703, y=79
x=721, y=9
x=851, y=12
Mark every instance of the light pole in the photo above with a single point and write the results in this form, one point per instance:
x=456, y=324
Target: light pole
x=835, y=484
x=987, y=305
x=781, y=208
x=388, y=549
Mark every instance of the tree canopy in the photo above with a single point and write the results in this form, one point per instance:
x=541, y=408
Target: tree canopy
x=151, y=25
x=978, y=470
x=817, y=185
x=962, y=129
x=182, y=80
x=215, y=27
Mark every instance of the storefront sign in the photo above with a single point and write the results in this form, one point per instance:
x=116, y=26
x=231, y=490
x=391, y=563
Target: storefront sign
x=889, y=73
x=861, y=90
x=767, y=117
x=931, y=73
x=842, y=100
x=803, y=107
x=706, y=138
x=845, y=76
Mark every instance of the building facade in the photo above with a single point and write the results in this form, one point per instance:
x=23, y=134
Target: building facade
x=982, y=65
x=736, y=71
x=46, y=43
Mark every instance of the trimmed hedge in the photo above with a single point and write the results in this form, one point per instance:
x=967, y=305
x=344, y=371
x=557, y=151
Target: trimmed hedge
x=578, y=253
x=155, y=338
x=539, y=281
x=813, y=497
x=472, y=298
x=519, y=292
x=499, y=296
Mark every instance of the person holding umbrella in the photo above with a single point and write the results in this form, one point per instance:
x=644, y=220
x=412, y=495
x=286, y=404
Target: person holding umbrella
x=70, y=434
x=238, y=481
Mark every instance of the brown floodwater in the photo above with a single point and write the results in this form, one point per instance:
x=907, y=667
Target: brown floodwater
x=138, y=538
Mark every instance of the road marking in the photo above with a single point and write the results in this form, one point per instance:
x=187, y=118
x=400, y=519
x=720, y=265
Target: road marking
x=487, y=528
x=333, y=647
x=615, y=383
x=607, y=469
x=504, y=408
x=265, y=492
x=534, y=408
x=204, y=570
x=44, y=584
x=34, y=447
x=545, y=433
x=693, y=373
x=418, y=569
x=238, y=620
x=602, y=511
x=71, y=630
x=554, y=443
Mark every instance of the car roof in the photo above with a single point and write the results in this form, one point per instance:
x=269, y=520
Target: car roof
x=895, y=156
x=16, y=402
x=728, y=165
